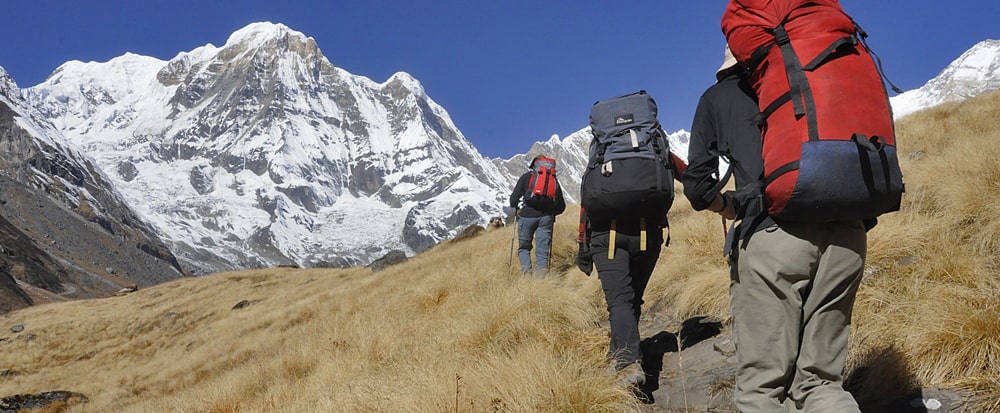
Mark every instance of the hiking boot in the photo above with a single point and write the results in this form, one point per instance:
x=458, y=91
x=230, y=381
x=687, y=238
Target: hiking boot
x=632, y=375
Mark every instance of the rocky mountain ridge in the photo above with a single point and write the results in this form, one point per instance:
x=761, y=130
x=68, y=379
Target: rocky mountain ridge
x=65, y=231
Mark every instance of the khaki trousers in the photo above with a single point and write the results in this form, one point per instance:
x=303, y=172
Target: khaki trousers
x=791, y=295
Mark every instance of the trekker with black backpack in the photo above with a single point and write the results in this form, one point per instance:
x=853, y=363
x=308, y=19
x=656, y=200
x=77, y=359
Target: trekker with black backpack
x=801, y=113
x=542, y=197
x=626, y=192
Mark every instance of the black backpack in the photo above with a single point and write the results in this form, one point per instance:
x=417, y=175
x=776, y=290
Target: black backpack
x=629, y=173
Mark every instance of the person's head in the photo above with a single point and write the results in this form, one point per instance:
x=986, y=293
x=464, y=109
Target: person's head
x=728, y=64
x=532, y=164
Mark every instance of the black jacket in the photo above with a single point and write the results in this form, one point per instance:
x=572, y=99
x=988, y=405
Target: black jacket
x=527, y=211
x=723, y=125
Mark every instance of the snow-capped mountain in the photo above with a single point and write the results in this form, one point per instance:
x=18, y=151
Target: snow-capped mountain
x=261, y=152
x=65, y=230
x=975, y=72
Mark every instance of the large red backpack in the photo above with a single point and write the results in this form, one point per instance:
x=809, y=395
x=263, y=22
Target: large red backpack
x=828, y=135
x=541, y=191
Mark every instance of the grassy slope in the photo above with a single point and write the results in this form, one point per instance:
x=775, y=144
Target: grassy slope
x=928, y=311
x=454, y=329
x=448, y=328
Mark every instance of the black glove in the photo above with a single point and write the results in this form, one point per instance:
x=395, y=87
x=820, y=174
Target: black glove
x=584, y=259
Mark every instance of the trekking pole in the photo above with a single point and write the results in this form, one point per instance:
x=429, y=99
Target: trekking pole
x=510, y=257
x=552, y=243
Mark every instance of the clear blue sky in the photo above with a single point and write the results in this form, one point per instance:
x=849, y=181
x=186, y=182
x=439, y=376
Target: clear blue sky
x=509, y=72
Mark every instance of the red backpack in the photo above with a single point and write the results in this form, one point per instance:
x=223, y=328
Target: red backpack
x=541, y=191
x=829, y=144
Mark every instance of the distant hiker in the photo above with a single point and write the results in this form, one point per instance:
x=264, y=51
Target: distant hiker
x=542, y=197
x=626, y=192
x=796, y=256
x=496, y=222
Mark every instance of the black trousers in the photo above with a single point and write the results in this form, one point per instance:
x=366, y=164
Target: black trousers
x=624, y=280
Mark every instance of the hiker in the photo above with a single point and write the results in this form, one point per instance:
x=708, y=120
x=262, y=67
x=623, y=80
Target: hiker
x=792, y=284
x=496, y=223
x=626, y=192
x=828, y=168
x=542, y=198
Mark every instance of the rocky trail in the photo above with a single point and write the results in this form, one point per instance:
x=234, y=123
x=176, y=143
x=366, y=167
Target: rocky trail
x=700, y=377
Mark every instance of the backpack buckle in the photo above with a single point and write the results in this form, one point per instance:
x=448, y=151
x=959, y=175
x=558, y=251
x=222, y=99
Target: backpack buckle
x=606, y=169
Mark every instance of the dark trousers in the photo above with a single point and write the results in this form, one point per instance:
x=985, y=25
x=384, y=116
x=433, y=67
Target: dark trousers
x=624, y=279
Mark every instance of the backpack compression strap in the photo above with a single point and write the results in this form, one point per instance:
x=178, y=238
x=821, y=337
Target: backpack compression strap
x=642, y=234
x=800, y=92
x=612, y=237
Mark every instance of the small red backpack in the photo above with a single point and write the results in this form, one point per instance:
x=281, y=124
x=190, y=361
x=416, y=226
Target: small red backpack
x=541, y=192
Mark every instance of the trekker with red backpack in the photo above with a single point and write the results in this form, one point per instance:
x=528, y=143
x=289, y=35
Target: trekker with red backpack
x=810, y=183
x=788, y=297
x=543, y=200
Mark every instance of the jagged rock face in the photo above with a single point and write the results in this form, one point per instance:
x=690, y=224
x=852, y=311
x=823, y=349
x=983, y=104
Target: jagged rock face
x=11, y=296
x=261, y=153
x=24, y=266
x=64, y=229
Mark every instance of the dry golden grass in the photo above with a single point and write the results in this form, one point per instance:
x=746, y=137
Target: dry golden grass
x=455, y=330
x=449, y=330
x=931, y=302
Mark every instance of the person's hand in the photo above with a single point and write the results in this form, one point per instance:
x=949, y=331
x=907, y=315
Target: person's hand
x=724, y=206
x=584, y=259
x=729, y=211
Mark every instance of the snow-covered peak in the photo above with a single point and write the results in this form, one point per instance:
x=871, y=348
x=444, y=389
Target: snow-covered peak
x=261, y=32
x=121, y=64
x=407, y=81
x=981, y=62
x=974, y=72
x=121, y=68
